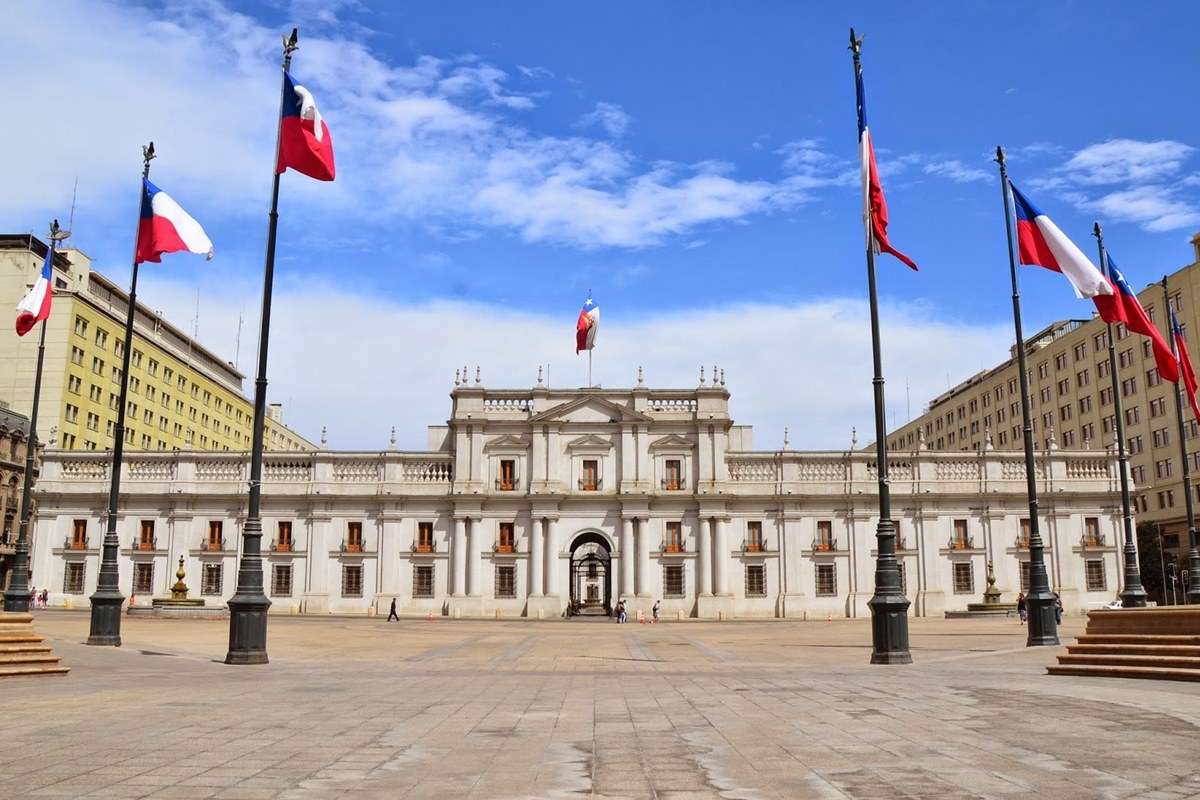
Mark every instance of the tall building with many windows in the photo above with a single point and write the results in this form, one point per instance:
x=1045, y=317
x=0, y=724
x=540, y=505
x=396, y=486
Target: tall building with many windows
x=1072, y=402
x=181, y=395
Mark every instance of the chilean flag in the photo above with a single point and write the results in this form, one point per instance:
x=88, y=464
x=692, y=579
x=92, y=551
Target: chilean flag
x=587, y=325
x=1138, y=321
x=1109, y=306
x=1185, y=365
x=35, y=306
x=304, y=141
x=1042, y=244
x=875, y=213
x=166, y=228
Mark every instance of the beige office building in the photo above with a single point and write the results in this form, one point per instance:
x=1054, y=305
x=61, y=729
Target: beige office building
x=181, y=395
x=1073, y=405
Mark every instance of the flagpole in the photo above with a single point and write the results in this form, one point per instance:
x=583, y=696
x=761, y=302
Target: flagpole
x=589, y=383
x=889, y=606
x=16, y=596
x=1133, y=595
x=1193, y=593
x=248, y=606
x=1043, y=630
x=106, y=601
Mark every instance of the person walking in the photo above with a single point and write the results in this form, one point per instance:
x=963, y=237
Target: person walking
x=1022, y=607
x=44, y=599
x=620, y=612
x=1058, y=609
x=654, y=613
x=33, y=597
x=392, y=615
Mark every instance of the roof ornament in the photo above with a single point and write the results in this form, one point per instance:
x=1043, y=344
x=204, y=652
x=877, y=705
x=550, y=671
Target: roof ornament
x=539, y=383
x=324, y=437
x=785, y=438
x=701, y=374
x=921, y=443
x=1052, y=442
x=987, y=439
x=476, y=374
x=853, y=438
x=641, y=377
x=722, y=376
x=456, y=377
x=392, y=439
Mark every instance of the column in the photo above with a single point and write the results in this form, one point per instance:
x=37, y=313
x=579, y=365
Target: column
x=643, y=555
x=552, y=556
x=535, y=557
x=627, y=557
x=473, y=557
x=459, y=551
x=704, y=558
x=721, y=556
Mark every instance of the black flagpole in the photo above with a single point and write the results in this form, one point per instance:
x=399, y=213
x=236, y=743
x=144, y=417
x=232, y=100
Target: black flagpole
x=1193, y=593
x=1132, y=593
x=889, y=606
x=106, y=602
x=1043, y=630
x=16, y=596
x=248, y=606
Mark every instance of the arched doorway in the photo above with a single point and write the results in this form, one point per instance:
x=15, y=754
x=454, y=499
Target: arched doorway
x=591, y=575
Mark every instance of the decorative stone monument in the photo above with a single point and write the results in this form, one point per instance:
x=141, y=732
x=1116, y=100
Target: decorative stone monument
x=179, y=604
x=991, y=605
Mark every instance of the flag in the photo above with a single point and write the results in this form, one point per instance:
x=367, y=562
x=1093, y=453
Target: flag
x=586, y=326
x=1042, y=244
x=304, y=141
x=35, y=306
x=875, y=214
x=166, y=228
x=1109, y=306
x=1185, y=365
x=1138, y=321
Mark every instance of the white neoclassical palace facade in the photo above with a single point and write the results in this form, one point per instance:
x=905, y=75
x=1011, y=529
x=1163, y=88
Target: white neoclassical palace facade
x=530, y=501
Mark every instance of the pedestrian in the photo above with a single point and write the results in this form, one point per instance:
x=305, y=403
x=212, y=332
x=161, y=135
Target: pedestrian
x=392, y=615
x=654, y=612
x=45, y=597
x=33, y=597
x=621, y=612
x=1058, y=609
x=1022, y=607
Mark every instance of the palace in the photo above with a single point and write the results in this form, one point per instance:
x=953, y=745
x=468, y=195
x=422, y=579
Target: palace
x=532, y=501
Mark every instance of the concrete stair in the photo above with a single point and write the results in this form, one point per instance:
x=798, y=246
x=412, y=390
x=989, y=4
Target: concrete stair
x=1148, y=643
x=23, y=651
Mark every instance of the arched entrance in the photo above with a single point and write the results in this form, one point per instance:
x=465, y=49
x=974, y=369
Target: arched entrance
x=591, y=575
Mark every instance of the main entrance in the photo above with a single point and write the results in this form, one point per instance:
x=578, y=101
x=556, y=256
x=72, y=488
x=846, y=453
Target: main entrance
x=591, y=575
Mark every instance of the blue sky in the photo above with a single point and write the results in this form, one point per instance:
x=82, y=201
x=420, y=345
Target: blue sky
x=689, y=163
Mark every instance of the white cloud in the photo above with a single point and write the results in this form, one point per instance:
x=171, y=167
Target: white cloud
x=610, y=117
x=1154, y=207
x=956, y=171
x=385, y=363
x=1126, y=161
x=442, y=143
x=534, y=73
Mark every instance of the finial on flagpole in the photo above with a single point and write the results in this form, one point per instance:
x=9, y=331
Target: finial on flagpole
x=999, y=159
x=1097, y=231
x=147, y=157
x=855, y=43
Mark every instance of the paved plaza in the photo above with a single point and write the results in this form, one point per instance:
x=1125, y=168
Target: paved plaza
x=447, y=709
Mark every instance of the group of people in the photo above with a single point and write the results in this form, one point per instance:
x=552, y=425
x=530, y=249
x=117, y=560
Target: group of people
x=622, y=614
x=38, y=599
x=1023, y=608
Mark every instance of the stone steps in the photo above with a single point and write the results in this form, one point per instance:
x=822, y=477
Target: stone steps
x=1102, y=671
x=1146, y=643
x=23, y=651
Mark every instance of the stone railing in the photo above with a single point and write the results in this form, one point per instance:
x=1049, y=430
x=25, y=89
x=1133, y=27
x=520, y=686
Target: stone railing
x=665, y=405
x=520, y=404
x=140, y=469
x=794, y=472
x=358, y=470
x=88, y=468
x=296, y=468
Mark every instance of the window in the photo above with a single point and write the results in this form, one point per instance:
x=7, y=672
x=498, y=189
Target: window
x=143, y=578
x=1128, y=387
x=1047, y=420
x=1096, y=577
x=1068, y=438
x=1080, y=351
x=508, y=475
x=824, y=540
x=590, y=482
x=146, y=535
x=1060, y=361
x=1064, y=413
x=1147, y=348
x=964, y=578
x=353, y=538
x=756, y=580
x=1134, y=445
x=281, y=580
x=352, y=580
x=1088, y=431
x=1106, y=396
x=1043, y=371
x=1166, y=499
x=73, y=577
x=423, y=580
x=674, y=540
x=216, y=540
x=81, y=326
x=1102, y=369
x=79, y=534
x=1091, y=532
x=1064, y=386
x=754, y=538
x=71, y=413
x=1043, y=395
x=826, y=580
x=1024, y=576
x=1158, y=407
x=1153, y=378
x=1125, y=358
x=425, y=536
x=1082, y=378
x=137, y=358
x=1162, y=469
x=962, y=537
x=1138, y=473
x=210, y=580
x=506, y=580
x=505, y=543
x=1085, y=404
x=1161, y=437
x=95, y=394
x=1133, y=415
x=673, y=580
x=74, y=384
x=673, y=480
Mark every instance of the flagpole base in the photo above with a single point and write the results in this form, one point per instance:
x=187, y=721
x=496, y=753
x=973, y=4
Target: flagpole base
x=106, y=619
x=247, y=630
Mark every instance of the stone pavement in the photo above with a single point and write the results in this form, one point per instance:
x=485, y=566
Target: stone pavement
x=483, y=709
